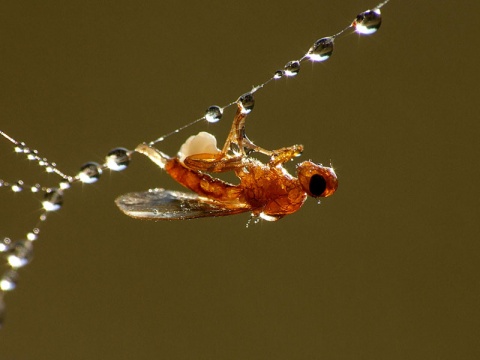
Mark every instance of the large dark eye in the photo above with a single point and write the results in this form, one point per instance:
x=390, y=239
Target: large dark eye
x=317, y=185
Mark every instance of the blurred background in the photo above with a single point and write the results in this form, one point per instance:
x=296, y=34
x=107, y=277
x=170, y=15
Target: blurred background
x=387, y=268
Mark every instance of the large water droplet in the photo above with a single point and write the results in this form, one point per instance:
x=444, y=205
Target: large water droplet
x=9, y=280
x=247, y=102
x=22, y=253
x=213, y=114
x=368, y=22
x=118, y=159
x=90, y=173
x=321, y=50
x=292, y=68
x=53, y=200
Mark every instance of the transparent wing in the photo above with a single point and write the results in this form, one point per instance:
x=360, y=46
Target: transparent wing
x=161, y=204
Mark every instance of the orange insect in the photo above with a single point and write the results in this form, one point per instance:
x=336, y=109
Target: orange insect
x=266, y=190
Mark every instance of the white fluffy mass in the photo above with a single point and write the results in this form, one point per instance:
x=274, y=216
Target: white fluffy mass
x=202, y=143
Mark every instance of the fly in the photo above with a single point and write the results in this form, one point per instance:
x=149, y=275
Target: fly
x=266, y=190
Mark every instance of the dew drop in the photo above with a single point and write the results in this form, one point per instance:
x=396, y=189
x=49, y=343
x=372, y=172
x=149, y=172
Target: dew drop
x=53, y=200
x=292, y=68
x=278, y=74
x=213, y=114
x=35, y=188
x=247, y=102
x=32, y=236
x=9, y=280
x=368, y=22
x=18, y=186
x=5, y=245
x=321, y=50
x=64, y=184
x=22, y=254
x=118, y=159
x=90, y=173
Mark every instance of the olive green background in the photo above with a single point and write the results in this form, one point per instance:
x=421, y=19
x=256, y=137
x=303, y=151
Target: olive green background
x=387, y=268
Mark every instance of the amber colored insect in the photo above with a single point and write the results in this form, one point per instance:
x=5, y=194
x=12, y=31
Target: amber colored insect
x=265, y=189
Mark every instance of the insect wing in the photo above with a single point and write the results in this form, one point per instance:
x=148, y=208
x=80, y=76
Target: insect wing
x=161, y=204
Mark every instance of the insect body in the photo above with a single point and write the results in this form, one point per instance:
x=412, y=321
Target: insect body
x=267, y=190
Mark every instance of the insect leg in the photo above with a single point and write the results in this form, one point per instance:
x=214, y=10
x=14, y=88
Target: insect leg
x=285, y=154
x=153, y=154
x=214, y=163
x=237, y=141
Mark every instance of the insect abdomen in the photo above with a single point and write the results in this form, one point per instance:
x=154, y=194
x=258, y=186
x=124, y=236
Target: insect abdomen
x=203, y=184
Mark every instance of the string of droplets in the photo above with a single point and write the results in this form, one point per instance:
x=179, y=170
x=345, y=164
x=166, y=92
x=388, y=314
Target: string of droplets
x=19, y=253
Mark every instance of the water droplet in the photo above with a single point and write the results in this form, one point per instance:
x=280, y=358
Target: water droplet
x=64, y=184
x=18, y=186
x=292, y=68
x=278, y=74
x=321, y=50
x=9, y=280
x=247, y=102
x=118, y=159
x=213, y=114
x=22, y=253
x=368, y=22
x=5, y=244
x=35, y=188
x=53, y=200
x=32, y=236
x=90, y=173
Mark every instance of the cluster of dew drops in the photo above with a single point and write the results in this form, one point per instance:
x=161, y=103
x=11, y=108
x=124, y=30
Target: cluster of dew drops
x=19, y=253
